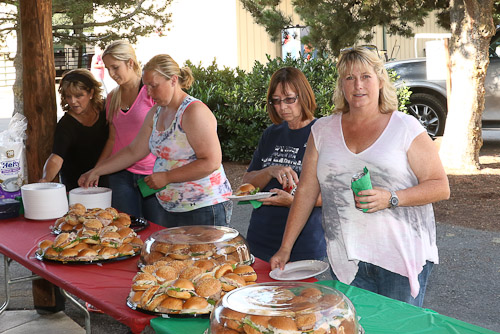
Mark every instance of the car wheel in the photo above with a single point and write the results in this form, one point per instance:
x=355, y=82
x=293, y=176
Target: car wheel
x=429, y=111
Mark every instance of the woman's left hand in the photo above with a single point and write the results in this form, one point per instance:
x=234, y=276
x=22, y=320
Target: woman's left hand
x=375, y=199
x=282, y=198
x=156, y=180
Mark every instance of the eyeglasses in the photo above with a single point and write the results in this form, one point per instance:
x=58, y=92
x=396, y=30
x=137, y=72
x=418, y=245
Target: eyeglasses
x=287, y=100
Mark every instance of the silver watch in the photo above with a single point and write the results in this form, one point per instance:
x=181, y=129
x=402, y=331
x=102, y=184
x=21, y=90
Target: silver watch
x=394, y=200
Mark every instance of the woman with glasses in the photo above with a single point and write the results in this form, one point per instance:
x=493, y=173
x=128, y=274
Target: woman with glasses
x=276, y=166
x=389, y=249
x=181, y=132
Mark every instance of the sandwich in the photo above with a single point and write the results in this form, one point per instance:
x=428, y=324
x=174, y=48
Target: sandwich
x=44, y=244
x=113, y=212
x=105, y=217
x=191, y=273
x=135, y=297
x=64, y=241
x=181, y=288
x=232, y=319
x=91, y=229
x=256, y=324
x=77, y=208
x=209, y=288
x=311, y=293
x=306, y=322
x=87, y=254
x=179, y=251
x=170, y=305
x=107, y=253
x=283, y=325
x=197, y=305
x=205, y=265
x=111, y=239
x=68, y=254
x=51, y=254
x=201, y=251
x=152, y=297
x=246, y=189
x=143, y=281
x=126, y=250
x=126, y=234
x=246, y=272
x=231, y=281
x=161, y=247
x=165, y=274
x=224, y=269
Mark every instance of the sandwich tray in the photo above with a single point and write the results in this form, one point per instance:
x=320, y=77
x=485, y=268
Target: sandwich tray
x=40, y=257
x=137, y=224
x=168, y=315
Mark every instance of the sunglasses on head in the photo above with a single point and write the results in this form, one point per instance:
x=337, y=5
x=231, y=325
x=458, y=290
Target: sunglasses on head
x=368, y=47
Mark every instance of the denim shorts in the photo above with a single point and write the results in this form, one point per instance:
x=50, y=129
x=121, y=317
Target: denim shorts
x=386, y=283
x=217, y=214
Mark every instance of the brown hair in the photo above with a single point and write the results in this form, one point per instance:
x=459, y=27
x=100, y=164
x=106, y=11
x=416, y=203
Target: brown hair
x=292, y=77
x=164, y=65
x=359, y=55
x=78, y=80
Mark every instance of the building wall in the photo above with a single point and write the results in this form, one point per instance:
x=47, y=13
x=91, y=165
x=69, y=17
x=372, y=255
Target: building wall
x=254, y=42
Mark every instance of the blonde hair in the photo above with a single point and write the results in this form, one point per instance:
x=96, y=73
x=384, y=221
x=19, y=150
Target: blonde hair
x=359, y=55
x=164, y=65
x=78, y=80
x=123, y=51
x=295, y=79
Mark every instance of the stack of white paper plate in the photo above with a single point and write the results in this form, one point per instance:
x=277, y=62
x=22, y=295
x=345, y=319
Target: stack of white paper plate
x=44, y=200
x=94, y=197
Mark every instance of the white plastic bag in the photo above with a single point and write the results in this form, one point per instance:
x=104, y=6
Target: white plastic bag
x=13, y=170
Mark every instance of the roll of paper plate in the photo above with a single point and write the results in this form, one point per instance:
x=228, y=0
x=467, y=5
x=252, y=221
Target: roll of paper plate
x=93, y=197
x=43, y=201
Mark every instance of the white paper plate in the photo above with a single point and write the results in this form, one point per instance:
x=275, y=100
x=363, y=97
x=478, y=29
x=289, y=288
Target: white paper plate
x=251, y=197
x=44, y=201
x=92, y=197
x=299, y=270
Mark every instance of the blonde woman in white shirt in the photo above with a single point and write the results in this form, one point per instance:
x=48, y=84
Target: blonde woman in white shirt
x=391, y=248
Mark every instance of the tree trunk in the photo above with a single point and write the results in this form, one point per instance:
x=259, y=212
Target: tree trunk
x=17, y=87
x=472, y=29
x=38, y=83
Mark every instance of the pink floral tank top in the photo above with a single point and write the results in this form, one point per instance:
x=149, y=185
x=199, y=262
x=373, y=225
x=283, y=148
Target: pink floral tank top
x=172, y=150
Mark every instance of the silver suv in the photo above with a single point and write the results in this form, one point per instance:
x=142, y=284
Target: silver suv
x=428, y=98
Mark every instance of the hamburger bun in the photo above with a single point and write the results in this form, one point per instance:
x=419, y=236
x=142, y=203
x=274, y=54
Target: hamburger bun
x=87, y=254
x=51, y=254
x=111, y=239
x=165, y=274
x=126, y=234
x=65, y=240
x=161, y=247
x=305, y=322
x=152, y=297
x=65, y=227
x=196, y=305
x=126, y=250
x=209, y=288
x=231, y=319
x=71, y=219
x=78, y=207
x=143, y=281
x=136, y=242
x=68, y=254
x=44, y=244
x=79, y=246
x=246, y=272
x=205, y=265
x=191, y=273
x=179, y=251
x=170, y=305
x=282, y=324
x=231, y=281
x=112, y=211
x=311, y=293
x=244, y=189
x=181, y=288
x=153, y=257
x=107, y=253
x=259, y=324
x=201, y=251
x=135, y=297
x=223, y=270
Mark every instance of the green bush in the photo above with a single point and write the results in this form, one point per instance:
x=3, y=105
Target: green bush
x=238, y=99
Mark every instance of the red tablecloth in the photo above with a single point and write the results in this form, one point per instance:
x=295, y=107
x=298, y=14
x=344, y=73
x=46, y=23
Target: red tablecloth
x=106, y=285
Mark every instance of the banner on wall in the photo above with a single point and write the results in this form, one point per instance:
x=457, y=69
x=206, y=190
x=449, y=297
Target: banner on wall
x=291, y=44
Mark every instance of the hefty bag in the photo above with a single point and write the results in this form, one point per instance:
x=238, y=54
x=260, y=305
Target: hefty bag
x=13, y=170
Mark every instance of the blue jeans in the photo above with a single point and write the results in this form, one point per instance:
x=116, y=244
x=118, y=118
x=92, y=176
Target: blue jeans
x=127, y=198
x=218, y=214
x=386, y=283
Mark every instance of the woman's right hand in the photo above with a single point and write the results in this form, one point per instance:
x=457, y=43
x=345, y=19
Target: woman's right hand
x=89, y=179
x=280, y=259
x=283, y=174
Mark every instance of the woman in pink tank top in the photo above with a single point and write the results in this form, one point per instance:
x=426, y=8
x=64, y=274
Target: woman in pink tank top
x=127, y=106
